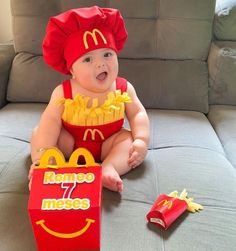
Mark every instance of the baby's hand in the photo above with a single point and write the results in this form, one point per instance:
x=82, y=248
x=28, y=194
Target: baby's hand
x=30, y=175
x=137, y=153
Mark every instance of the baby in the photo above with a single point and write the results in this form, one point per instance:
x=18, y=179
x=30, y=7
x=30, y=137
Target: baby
x=88, y=110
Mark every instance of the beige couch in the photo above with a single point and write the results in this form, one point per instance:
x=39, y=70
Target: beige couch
x=181, y=58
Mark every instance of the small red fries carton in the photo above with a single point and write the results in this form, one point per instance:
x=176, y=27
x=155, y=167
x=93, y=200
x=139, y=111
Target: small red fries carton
x=167, y=208
x=65, y=202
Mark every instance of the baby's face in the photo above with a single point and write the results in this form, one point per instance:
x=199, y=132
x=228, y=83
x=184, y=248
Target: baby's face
x=97, y=70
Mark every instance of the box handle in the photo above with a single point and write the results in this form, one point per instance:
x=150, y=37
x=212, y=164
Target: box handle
x=89, y=160
x=60, y=159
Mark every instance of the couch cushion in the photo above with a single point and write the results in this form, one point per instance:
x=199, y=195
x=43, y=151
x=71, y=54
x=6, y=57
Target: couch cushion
x=29, y=20
x=199, y=166
x=180, y=38
x=222, y=73
x=165, y=170
x=160, y=30
x=168, y=19
x=18, y=120
x=208, y=177
x=223, y=119
x=16, y=156
x=15, y=228
x=144, y=10
x=169, y=84
x=126, y=219
x=178, y=84
x=225, y=19
x=182, y=129
x=6, y=56
x=31, y=80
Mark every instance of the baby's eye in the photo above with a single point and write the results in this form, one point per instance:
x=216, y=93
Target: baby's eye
x=87, y=60
x=107, y=54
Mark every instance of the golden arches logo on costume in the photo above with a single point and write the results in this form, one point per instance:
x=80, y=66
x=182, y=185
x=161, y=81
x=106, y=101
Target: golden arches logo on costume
x=166, y=203
x=94, y=37
x=92, y=132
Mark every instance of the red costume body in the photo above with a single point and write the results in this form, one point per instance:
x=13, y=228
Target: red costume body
x=92, y=137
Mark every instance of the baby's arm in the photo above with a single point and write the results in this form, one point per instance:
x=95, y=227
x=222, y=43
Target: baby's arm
x=49, y=127
x=139, y=124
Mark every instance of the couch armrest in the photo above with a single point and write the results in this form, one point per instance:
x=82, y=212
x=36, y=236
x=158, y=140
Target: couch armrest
x=7, y=54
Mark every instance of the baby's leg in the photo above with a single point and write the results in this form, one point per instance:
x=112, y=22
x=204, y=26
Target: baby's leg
x=115, y=154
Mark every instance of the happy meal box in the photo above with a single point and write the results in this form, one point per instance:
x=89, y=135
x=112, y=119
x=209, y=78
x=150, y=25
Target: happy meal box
x=65, y=202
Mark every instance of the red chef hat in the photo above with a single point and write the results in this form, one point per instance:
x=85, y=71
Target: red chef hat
x=78, y=31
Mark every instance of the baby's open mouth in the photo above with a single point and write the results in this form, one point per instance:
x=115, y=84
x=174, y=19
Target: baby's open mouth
x=102, y=76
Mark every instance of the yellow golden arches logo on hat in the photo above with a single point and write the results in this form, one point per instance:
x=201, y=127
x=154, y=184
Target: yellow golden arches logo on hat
x=93, y=35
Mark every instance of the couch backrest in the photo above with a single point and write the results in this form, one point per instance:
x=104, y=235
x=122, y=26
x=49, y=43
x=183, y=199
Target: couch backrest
x=164, y=58
x=222, y=56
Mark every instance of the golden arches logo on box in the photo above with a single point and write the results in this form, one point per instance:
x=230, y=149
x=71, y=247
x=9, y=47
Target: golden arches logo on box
x=92, y=132
x=166, y=203
x=94, y=33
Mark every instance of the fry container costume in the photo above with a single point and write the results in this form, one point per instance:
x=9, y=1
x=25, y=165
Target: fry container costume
x=167, y=208
x=65, y=202
x=69, y=36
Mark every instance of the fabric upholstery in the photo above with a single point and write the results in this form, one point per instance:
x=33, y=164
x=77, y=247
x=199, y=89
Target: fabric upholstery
x=223, y=119
x=155, y=32
x=6, y=55
x=31, y=80
x=181, y=129
x=222, y=73
x=225, y=19
x=173, y=163
x=169, y=84
x=22, y=113
x=166, y=59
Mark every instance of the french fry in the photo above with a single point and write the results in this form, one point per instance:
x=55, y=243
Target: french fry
x=77, y=112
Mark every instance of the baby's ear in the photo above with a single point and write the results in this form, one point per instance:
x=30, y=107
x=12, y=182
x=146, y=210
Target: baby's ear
x=72, y=73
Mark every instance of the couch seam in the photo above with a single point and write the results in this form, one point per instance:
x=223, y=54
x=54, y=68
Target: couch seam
x=15, y=138
x=186, y=146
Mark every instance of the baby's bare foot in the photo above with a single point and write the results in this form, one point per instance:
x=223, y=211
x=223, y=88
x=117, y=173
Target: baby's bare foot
x=111, y=179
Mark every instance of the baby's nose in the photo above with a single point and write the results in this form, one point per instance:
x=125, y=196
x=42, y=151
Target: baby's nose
x=100, y=64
